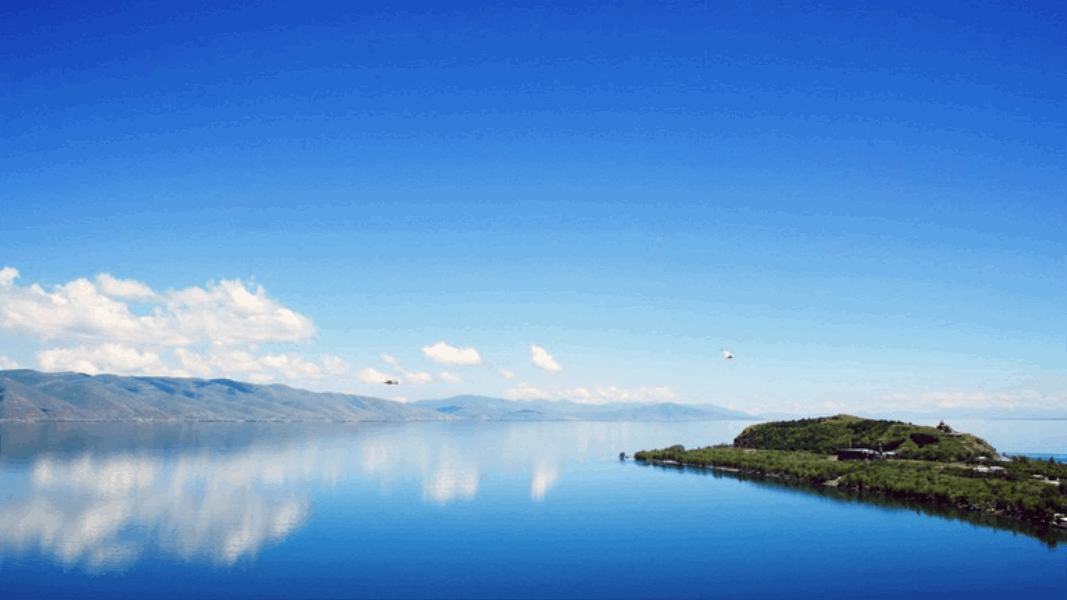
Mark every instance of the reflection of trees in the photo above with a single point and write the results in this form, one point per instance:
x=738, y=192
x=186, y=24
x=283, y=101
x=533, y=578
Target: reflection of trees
x=1049, y=537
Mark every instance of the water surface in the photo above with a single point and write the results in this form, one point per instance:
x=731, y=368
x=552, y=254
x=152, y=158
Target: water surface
x=478, y=510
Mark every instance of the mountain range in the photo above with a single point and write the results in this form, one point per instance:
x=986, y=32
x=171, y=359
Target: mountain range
x=32, y=396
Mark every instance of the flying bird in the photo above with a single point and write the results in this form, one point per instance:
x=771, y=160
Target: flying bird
x=727, y=354
x=391, y=382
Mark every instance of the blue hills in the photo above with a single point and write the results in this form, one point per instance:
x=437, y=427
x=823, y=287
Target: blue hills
x=33, y=396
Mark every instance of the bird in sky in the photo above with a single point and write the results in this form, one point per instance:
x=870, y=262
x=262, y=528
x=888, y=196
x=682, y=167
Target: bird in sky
x=727, y=354
x=391, y=382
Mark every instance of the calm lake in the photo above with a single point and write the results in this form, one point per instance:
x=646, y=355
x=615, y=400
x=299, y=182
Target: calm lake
x=473, y=510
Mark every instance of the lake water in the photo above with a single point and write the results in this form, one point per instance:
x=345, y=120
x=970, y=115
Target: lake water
x=487, y=510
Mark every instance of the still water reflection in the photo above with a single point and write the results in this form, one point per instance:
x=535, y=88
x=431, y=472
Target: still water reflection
x=100, y=496
x=470, y=510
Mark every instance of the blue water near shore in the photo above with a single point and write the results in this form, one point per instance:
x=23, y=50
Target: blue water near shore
x=490, y=510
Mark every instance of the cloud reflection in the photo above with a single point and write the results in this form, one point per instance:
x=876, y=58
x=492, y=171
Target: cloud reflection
x=102, y=512
x=106, y=509
x=544, y=477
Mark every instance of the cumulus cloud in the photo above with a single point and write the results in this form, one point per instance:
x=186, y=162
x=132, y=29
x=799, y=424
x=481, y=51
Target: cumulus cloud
x=543, y=360
x=444, y=353
x=7, y=363
x=128, y=360
x=640, y=394
x=506, y=373
x=597, y=395
x=225, y=313
x=526, y=391
x=8, y=275
x=292, y=366
x=417, y=377
x=194, y=364
x=204, y=331
x=105, y=358
x=372, y=375
x=449, y=377
x=124, y=288
x=334, y=365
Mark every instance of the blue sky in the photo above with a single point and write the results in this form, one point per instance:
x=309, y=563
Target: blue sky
x=864, y=203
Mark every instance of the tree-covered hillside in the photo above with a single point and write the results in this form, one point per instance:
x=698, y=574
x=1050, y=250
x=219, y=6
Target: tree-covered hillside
x=825, y=435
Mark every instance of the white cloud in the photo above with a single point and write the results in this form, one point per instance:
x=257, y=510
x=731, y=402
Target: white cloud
x=204, y=331
x=222, y=314
x=196, y=365
x=506, y=373
x=124, y=288
x=641, y=394
x=372, y=375
x=334, y=365
x=416, y=377
x=7, y=363
x=128, y=360
x=105, y=358
x=228, y=313
x=419, y=377
x=543, y=360
x=8, y=275
x=292, y=366
x=526, y=391
x=235, y=361
x=449, y=377
x=444, y=353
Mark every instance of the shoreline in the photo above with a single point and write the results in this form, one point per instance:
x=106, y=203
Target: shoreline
x=835, y=483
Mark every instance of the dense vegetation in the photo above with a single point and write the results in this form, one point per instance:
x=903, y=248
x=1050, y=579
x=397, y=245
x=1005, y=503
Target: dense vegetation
x=1030, y=490
x=826, y=434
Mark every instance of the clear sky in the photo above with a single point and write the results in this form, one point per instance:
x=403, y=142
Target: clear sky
x=864, y=202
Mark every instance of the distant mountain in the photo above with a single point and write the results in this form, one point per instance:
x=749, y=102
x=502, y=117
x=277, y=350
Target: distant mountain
x=484, y=408
x=27, y=395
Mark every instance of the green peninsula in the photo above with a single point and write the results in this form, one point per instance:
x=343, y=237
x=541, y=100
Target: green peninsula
x=934, y=465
